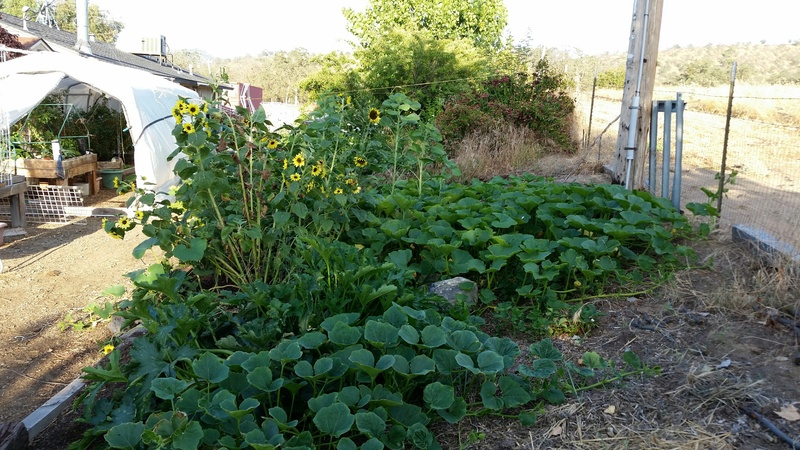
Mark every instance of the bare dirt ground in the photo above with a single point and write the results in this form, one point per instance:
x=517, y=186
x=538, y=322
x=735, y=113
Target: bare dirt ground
x=712, y=330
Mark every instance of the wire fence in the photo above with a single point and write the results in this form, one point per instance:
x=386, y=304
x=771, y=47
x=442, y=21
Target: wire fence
x=766, y=157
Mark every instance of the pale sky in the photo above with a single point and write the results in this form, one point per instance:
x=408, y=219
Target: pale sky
x=232, y=28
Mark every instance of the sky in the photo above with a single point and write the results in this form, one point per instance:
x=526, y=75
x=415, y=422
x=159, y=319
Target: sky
x=248, y=27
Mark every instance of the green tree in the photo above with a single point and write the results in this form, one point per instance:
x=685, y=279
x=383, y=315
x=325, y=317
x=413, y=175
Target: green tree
x=430, y=70
x=480, y=21
x=104, y=28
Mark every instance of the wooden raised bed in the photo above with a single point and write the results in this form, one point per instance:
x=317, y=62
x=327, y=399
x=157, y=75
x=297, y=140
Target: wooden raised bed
x=35, y=169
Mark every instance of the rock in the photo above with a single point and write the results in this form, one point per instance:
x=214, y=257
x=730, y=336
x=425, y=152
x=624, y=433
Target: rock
x=115, y=324
x=450, y=289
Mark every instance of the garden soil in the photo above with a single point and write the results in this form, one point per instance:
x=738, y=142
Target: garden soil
x=711, y=331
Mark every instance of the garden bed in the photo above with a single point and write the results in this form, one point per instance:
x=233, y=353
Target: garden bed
x=36, y=169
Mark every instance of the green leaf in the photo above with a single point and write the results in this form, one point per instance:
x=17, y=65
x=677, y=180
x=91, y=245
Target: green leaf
x=456, y=411
x=312, y=340
x=490, y=362
x=433, y=336
x=347, y=443
x=117, y=290
x=513, y=394
x=380, y=334
x=210, y=368
x=125, y=435
x=409, y=334
x=395, y=228
x=140, y=250
x=466, y=362
x=546, y=349
x=421, y=365
x=446, y=360
x=260, y=359
x=286, y=351
x=464, y=341
x=553, y=395
x=542, y=368
x=438, y=395
x=528, y=418
x=261, y=378
x=632, y=359
x=167, y=388
x=372, y=444
x=348, y=319
x=192, y=252
x=343, y=334
x=370, y=424
x=300, y=210
x=303, y=369
x=335, y=419
x=488, y=397
x=188, y=438
x=593, y=361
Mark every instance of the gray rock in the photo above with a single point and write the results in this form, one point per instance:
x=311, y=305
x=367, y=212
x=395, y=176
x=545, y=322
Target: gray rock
x=450, y=289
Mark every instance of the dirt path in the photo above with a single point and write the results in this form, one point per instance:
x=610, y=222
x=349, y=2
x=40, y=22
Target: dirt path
x=53, y=271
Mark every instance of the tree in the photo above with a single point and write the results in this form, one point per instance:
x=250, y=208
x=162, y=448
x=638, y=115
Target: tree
x=104, y=28
x=480, y=21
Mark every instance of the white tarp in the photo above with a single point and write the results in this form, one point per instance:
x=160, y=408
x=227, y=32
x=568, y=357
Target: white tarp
x=146, y=99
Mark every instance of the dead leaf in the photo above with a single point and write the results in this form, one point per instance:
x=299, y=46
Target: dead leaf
x=610, y=410
x=789, y=412
x=556, y=431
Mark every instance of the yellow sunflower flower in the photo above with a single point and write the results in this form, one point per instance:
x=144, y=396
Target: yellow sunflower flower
x=294, y=177
x=316, y=170
x=357, y=190
x=338, y=191
x=176, y=113
x=299, y=160
x=272, y=143
x=188, y=128
x=205, y=107
x=116, y=182
x=360, y=161
x=310, y=186
x=139, y=215
x=351, y=182
x=108, y=349
x=124, y=223
x=374, y=115
x=285, y=163
x=193, y=109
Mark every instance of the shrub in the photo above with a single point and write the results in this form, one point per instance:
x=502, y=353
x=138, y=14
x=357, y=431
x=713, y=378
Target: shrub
x=536, y=101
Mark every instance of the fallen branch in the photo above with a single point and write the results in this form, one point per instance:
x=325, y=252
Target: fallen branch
x=771, y=427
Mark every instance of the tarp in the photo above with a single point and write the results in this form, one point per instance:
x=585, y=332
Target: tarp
x=146, y=100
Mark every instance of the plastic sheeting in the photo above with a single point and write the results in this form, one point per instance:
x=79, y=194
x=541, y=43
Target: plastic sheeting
x=146, y=99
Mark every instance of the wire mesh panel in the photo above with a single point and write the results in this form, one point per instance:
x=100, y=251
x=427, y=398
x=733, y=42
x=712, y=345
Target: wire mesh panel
x=49, y=204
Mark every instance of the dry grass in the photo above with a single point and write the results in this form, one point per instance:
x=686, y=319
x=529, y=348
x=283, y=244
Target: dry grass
x=503, y=150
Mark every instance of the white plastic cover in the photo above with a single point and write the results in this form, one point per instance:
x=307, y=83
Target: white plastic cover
x=147, y=102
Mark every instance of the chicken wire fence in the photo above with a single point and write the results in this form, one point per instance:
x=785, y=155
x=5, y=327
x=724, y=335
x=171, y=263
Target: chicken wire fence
x=765, y=193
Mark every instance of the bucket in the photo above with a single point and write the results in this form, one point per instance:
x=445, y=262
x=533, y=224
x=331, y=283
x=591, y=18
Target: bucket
x=109, y=175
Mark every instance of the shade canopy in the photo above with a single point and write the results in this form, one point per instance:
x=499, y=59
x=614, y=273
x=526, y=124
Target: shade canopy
x=146, y=101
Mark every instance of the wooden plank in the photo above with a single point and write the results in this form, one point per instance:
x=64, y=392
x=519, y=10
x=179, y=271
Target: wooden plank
x=38, y=420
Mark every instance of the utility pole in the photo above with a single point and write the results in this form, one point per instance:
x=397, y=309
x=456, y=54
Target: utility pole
x=640, y=75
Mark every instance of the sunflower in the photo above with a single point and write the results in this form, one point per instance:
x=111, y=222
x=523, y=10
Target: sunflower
x=351, y=182
x=139, y=215
x=116, y=182
x=360, y=161
x=348, y=100
x=188, y=128
x=374, y=115
x=310, y=186
x=338, y=191
x=299, y=160
x=108, y=349
x=357, y=190
x=272, y=143
x=176, y=113
x=124, y=223
x=193, y=109
x=205, y=107
x=316, y=170
x=294, y=177
x=285, y=163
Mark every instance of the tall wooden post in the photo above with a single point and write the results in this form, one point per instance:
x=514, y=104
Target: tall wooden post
x=641, y=37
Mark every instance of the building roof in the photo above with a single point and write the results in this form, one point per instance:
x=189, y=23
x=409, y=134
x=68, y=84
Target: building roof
x=100, y=50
